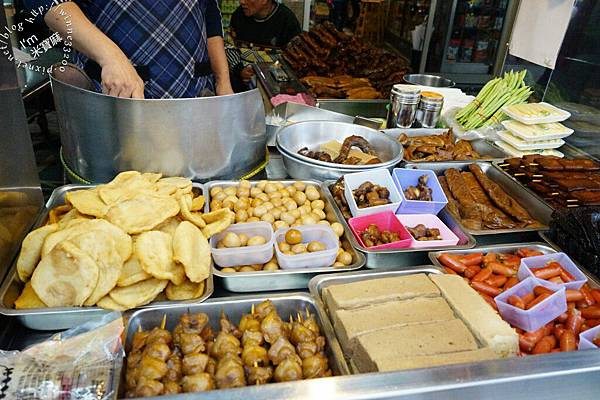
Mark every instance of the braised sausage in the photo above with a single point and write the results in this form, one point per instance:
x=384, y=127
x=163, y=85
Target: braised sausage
x=453, y=263
x=547, y=272
x=541, y=289
x=485, y=288
x=537, y=301
x=568, y=341
x=484, y=274
x=516, y=301
x=501, y=269
x=472, y=259
x=510, y=283
x=573, y=295
x=591, y=312
x=545, y=345
x=574, y=321
x=496, y=280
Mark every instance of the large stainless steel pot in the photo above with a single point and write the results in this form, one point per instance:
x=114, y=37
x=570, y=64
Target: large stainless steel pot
x=203, y=138
x=311, y=134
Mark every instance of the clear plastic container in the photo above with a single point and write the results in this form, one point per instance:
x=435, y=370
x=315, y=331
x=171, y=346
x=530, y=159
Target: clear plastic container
x=319, y=259
x=532, y=133
x=385, y=221
x=430, y=221
x=379, y=177
x=524, y=145
x=247, y=255
x=536, y=317
x=586, y=338
x=403, y=178
x=511, y=151
x=535, y=113
x=529, y=263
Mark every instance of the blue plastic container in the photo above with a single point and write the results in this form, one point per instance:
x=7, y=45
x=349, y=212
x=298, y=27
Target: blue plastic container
x=403, y=178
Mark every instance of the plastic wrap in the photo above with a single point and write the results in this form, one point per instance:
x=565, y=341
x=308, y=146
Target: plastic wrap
x=83, y=363
x=485, y=132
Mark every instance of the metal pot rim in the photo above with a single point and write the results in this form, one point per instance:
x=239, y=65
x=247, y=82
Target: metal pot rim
x=354, y=168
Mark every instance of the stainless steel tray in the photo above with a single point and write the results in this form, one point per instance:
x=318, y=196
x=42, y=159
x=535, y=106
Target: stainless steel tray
x=234, y=307
x=538, y=209
x=55, y=318
x=281, y=279
x=482, y=146
x=401, y=257
x=503, y=248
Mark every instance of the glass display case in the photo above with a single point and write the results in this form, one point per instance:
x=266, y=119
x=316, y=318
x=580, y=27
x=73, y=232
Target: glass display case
x=467, y=37
x=574, y=84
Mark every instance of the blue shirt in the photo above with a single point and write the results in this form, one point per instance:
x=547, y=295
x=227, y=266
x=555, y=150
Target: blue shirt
x=167, y=36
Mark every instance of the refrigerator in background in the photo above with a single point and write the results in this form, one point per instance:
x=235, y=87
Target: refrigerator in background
x=467, y=39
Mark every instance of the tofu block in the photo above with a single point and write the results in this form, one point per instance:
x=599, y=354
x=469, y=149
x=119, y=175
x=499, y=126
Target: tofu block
x=412, y=341
x=363, y=293
x=349, y=324
x=491, y=330
x=396, y=364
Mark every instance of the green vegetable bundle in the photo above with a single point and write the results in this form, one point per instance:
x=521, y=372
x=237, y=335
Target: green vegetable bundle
x=486, y=109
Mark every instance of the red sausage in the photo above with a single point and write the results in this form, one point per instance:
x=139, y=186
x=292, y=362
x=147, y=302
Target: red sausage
x=484, y=274
x=574, y=295
x=451, y=262
x=472, y=259
x=537, y=301
x=566, y=276
x=562, y=318
x=450, y=271
x=558, y=331
x=541, y=289
x=510, y=283
x=489, y=257
x=496, y=280
x=501, y=269
x=587, y=295
x=556, y=280
x=471, y=271
x=545, y=345
x=485, y=288
x=547, y=272
x=592, y=323
x=574, y=321
x=592, y=312
x=528, y=298
x=516, y=301
x=595, y=294
x=528, y=340
x=568, y=341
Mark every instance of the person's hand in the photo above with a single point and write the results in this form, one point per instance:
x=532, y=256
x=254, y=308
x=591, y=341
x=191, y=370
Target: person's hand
x=119, y=78
x=247, y=73
x=224, y=88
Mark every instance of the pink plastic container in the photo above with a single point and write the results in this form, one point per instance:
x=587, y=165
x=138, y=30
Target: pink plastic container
x=430, y=221
x=536, y=317
x=385, y=221
x=586, y=337
x=531, y=263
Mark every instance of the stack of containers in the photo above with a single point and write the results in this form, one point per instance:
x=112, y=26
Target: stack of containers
x=535, y=128
x=400, y=213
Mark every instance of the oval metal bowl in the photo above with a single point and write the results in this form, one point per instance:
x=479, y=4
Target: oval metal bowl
x=312, y=134
x=299, y=169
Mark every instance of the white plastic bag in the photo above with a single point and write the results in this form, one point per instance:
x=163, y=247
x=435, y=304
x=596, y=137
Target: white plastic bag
x=82, y=363
x=486, y=132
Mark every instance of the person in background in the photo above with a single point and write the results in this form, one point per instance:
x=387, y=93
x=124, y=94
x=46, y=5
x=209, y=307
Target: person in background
x=263, y=23
x=145, y=48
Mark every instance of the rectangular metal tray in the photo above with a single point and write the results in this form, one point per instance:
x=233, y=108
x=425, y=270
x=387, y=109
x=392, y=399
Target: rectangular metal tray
x=281, y=279
x=55, y=318
x=400, y=257
x=482, y=146
x=234, y=308
x=543, y=247
x=538, y=209
x=502, y=248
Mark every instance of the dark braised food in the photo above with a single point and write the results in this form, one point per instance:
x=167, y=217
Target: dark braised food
x=263, y=349
x=437, y=148
x=372, y=236
x=344, y=156
x=371, y=195
x=421, y=192
x=423, y=233
x=337, y=190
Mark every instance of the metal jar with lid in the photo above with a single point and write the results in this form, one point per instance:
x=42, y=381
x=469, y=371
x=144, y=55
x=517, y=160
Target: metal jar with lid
x=404, y=100
x=430, y=109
